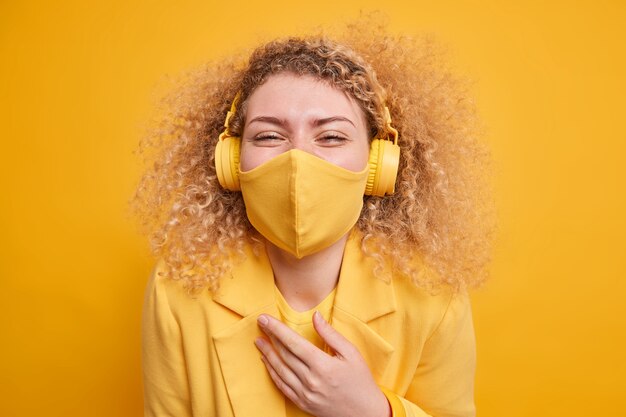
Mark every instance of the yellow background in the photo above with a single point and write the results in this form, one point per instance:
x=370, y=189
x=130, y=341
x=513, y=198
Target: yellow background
x=77, y=82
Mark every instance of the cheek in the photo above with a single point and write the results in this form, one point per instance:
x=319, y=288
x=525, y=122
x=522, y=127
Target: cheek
x=248, y=159
x=353, y=159
x=364, y=156
x=252, y=156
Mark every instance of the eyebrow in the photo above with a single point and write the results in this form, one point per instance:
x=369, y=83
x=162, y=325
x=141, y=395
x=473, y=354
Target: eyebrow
x=314, y=123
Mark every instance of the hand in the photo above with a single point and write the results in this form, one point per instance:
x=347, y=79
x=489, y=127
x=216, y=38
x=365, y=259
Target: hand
x=340, y=385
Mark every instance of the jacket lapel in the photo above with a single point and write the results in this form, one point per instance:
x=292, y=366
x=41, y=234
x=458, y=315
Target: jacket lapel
x=248, y=292
x=360, y=298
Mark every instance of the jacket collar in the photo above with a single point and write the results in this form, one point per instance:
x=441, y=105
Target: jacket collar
x=250, y=288
x=360, y=298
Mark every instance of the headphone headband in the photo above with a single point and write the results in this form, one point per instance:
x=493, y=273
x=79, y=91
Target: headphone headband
x=390, y=128
x=233, y=108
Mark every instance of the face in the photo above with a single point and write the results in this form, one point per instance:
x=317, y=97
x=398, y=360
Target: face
x=301, y=112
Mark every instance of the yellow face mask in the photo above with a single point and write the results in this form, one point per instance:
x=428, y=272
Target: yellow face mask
x=302, y=203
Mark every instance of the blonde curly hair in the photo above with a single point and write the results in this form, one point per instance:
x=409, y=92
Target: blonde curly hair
x=435, y=229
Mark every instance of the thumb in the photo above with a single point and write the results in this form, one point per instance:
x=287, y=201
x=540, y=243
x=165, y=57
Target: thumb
x=332, y=337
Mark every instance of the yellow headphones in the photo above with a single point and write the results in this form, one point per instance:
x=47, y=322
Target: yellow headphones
x=383, y=160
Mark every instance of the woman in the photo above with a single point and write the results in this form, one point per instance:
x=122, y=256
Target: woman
x=340, y=182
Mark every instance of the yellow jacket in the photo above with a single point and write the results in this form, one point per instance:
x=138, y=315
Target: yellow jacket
x=199, y=357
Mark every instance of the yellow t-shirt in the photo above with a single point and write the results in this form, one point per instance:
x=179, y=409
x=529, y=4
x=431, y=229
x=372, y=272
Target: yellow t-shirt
x=302, y=323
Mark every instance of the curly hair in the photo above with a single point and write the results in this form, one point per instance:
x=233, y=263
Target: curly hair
x=435, y=229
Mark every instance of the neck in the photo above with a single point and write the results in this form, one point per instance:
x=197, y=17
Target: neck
x=307, y=281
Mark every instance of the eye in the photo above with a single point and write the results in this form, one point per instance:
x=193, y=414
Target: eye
x=332, y=139
x=266, y=139
x=266, y=136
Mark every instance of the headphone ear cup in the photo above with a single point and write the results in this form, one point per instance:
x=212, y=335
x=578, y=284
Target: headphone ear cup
x=383, y=162
x=227, y=162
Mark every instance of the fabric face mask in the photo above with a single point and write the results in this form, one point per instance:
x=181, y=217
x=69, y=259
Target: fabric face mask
x=302, y=203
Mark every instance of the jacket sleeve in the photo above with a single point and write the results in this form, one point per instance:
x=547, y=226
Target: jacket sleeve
x=166, y=390
x=443, y=384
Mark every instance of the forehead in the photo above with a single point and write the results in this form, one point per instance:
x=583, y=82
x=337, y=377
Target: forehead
x=300, y=95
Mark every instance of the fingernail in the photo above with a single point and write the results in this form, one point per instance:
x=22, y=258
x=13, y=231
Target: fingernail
x=263, y=321
x=259, y=342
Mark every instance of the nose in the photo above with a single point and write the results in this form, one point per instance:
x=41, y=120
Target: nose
x=301, y=140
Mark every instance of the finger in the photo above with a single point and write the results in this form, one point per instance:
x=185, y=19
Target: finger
x=296, y=365
x=304, y=350
x=279, y=382
x=332, y=337
x=276, y=363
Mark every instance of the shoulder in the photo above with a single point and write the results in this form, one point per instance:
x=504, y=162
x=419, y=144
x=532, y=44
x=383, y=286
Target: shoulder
x=431, y=309
x=166, y=290
x=163, y=282
x=195, y=313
